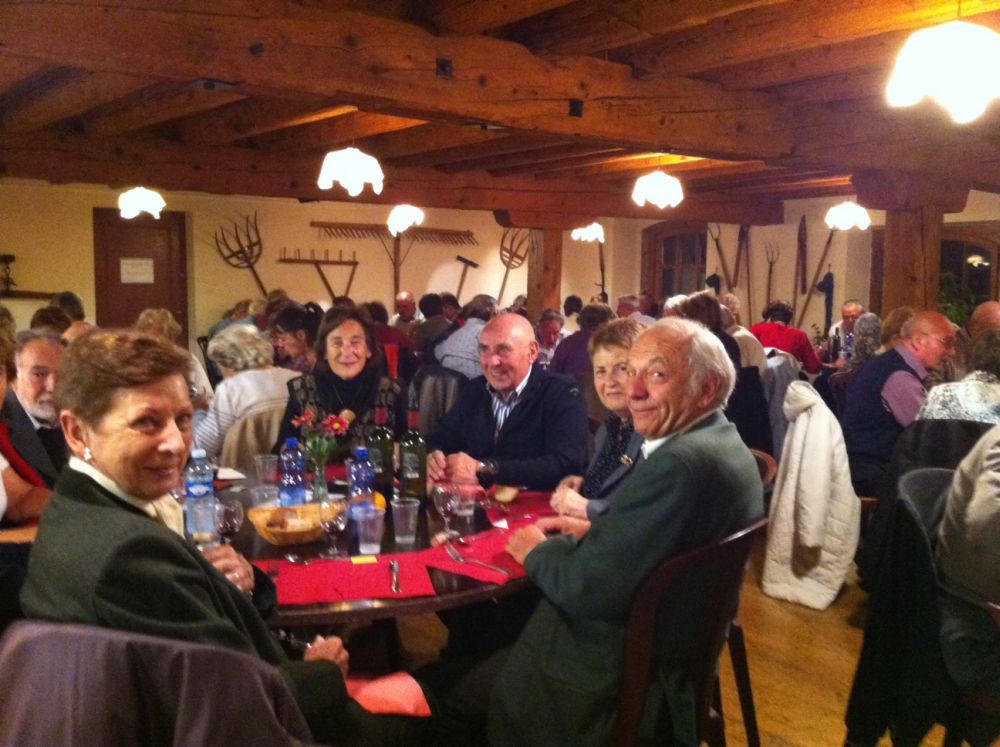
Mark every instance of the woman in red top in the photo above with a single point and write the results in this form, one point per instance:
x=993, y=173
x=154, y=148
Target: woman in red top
x=774, y=332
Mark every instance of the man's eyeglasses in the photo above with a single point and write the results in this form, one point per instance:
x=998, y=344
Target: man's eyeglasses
x=947, y=342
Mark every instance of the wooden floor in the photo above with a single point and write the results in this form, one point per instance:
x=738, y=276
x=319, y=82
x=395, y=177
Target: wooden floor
x=802, y=663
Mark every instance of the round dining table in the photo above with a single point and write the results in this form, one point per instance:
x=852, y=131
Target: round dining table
x=450, y=590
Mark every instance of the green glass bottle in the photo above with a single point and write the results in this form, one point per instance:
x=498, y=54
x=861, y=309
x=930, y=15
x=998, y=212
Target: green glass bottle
x=413, y=458
x=381, y=447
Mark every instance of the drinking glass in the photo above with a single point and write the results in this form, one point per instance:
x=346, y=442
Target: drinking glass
x=445, y=499
x=228, y=518
x=333, y=519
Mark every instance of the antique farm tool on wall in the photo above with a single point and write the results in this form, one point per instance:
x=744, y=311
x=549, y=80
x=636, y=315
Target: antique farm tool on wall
x=318, y=262
x=799, y=281
x=247, y=250
x=815, y=280
x=514, y=246
x=743, y=255
x=396, y=255
x=825, y=286
x=716, y=236
x=772, y=253
x=466, y=264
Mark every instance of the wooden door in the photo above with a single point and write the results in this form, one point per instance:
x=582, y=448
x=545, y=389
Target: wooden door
x=139, y=264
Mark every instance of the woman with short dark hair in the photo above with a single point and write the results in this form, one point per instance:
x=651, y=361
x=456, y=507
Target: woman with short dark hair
x=293, y=334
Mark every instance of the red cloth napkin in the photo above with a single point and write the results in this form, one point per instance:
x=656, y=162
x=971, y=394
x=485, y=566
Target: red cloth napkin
x=489, y=547
x=529, y=505
x=345, y=581
x=396, y=693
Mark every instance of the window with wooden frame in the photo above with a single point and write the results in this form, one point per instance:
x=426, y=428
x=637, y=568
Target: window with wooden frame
x=673, y=258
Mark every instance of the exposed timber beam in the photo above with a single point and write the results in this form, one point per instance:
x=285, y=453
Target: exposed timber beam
x=231, y=170
x=322, y=135
x=375, y=60
x=257, y=116
x=428, y=138
x=477, y=16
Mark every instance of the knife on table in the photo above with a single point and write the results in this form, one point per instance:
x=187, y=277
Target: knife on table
x=394, y=570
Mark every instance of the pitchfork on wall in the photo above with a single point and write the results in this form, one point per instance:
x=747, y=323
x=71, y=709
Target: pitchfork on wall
x=247, y=250
x=772, y=253
x=514, y=246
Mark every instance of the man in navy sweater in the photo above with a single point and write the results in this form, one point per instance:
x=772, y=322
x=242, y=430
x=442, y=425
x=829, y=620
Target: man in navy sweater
x=516, y=424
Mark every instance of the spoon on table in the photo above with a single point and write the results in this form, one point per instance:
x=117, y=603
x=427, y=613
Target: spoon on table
x=292, y=557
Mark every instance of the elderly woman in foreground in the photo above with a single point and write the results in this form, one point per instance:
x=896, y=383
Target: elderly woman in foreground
x=249, y=383
x=110, y=550
x=616, y=444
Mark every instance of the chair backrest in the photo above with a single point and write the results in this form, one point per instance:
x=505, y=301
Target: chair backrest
x=839, y=383
x=925, y=492
x=80, y=684
x=766, y=465
x=436, y=389
x=722, y=565
x=254, y=433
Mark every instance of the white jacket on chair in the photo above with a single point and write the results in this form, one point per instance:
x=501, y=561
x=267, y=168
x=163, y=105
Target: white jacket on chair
x=815, y=515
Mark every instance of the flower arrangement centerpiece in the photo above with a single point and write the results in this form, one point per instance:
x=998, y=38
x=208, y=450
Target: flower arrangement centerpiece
x=321, y=438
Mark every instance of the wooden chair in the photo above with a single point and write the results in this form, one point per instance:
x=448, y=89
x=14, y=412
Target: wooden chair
x=436, y=389
x=254, y=433
x=725, y=562
x=766, y=465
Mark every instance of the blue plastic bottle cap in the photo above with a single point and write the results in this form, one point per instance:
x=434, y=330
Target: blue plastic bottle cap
x=198, y=454
x=361, y=452
x=291, y=442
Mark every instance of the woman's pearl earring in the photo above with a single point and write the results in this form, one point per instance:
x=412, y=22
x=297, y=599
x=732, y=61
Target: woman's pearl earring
x=88, y=455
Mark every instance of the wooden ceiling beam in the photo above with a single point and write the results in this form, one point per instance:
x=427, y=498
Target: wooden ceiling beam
x=329, y=133
x=168, y=165
x=427, y=138
x=17, y=72
x=790, y=27
x=477, y=16
x=156, y=104
x=257, y=116
x=866, y=84
x=372, y=60
x=477, y=149
x=528, y=159
x=69, y=94
x=594, y=26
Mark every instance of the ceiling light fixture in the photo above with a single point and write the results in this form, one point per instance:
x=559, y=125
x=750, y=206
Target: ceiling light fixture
x=353, y=169
x=593, y=232
x=657, y=188
x=847, y=215
x=402, y=217
x=954, y=63
x=140, y=200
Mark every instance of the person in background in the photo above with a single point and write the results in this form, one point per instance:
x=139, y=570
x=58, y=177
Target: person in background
x=515, y=425
x=518, y=306
x=886, y=396
x=110, y=549
x=548, y=332
x=293, y=334
x=29, y=409
x=50, y=319
x=732, y=302
x=648, y=306
x=385, y=333
x=239, y=313
x=572, y=307
x=968, y=560
x=572, y=356
x=249, y=383
x=161, y=322
x=72, y=304
x=629, y=306
x=8, y=327
x=616, y=445
x=459, y=351
x=842, y=331
x=407, y=315
x=751, y=351
x=435, y=324
x=450, y=306
x=775, y=332
x=977, y=396
x=704, y=307
x=23, y=493
x=892, y=325
x=349, y=375
x=867, y=339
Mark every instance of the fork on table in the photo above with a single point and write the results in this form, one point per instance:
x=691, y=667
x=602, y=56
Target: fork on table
x=459, y=558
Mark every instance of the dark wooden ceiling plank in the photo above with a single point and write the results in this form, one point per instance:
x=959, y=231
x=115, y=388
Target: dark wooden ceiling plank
x=257, y=116
x=329, y=133
x=17, y=72
x=234, y=170
x=805, y=24
x=349, y=53
x=595, y=26
x=477, y=16
x=156, y=104
x=500, y=146
x=427, y=138
x=529, y=158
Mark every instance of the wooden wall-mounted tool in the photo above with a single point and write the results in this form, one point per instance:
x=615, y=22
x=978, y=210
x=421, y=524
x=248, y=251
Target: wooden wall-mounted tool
x=246, y=253
x=466, y=264
x=318, y=263
x=514, y=246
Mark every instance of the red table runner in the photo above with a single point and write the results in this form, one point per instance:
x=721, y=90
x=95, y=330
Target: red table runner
x=528, y=506
x=489, y=547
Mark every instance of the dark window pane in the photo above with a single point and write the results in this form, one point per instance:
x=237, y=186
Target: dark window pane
x=689, y=279
x=668, y=282
x=688, y=248
x=669, y=251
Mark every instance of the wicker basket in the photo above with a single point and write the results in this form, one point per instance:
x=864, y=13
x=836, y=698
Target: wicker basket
x=303, y=524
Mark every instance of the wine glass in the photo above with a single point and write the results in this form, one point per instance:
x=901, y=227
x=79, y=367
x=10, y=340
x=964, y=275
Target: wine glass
x=445, y=501
x=228, y=519
x=333, y=519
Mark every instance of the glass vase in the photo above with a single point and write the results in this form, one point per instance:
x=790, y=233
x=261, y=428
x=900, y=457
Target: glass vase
x=320, y=489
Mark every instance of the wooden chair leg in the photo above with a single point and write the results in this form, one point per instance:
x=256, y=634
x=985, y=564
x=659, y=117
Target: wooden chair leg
x=741, y=670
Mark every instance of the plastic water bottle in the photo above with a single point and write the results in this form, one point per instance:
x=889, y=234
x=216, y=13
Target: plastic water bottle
x=361, y=479
x=199, y=506
x=292, y=491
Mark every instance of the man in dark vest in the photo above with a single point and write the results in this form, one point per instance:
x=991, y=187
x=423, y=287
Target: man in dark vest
x=29, y=408
x=887, y=394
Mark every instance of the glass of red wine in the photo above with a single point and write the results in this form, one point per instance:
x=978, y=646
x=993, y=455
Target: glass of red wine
x=228, y=518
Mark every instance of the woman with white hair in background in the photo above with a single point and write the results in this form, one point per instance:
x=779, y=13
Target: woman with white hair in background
x=249, y=383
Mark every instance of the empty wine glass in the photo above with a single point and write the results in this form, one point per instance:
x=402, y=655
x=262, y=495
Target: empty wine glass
x=333, y=519
x=445, y=499
x=228, y=518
